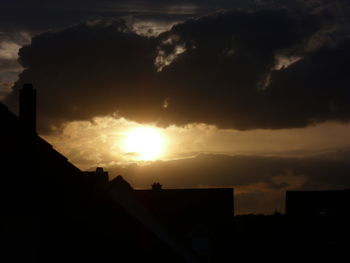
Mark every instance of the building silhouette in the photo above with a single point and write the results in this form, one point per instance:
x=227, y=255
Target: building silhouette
x=51, y=211
x=186, y=209
x=330, y=203
x=317, y=224
x=201, y=217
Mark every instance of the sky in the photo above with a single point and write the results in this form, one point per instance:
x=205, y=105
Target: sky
x=252, y=95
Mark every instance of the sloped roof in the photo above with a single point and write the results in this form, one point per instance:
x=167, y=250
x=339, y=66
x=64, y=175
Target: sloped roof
x=38, y=179
x=13, y=133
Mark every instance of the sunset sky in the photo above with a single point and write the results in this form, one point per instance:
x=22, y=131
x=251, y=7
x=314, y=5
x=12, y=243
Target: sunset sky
x=253, y=95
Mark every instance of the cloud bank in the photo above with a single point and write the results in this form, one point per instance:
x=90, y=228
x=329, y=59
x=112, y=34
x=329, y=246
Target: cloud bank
x=259, y=182
x=268, y=68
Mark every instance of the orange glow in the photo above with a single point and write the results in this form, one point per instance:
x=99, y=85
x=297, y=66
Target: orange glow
x=146, y=143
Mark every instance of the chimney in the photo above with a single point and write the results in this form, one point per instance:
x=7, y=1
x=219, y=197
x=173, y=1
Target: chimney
x=27, y=106
x=99, y=171
x=156, y=187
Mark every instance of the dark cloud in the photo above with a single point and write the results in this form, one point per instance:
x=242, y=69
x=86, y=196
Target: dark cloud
x=220, y=78
x=259, y=182
x=231, y=73
x=9, y=65
x=269, y=68
x=37, y=16
x=9, y=46
x=90, y=69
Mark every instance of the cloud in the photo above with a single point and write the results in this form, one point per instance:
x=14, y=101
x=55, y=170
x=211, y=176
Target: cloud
x=10, y=43
x=100, y=142
x=230, y=74
x=273, y=161
x=151, y=27
x=237, y=69
x=5, y=88
x=88, y=70
x=259, y=182
x=37, y=16
x=8, y=50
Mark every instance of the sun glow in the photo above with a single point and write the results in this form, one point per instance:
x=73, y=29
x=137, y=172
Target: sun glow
x=144, y=143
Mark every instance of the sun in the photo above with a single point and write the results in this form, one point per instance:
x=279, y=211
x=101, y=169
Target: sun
x=145, y=143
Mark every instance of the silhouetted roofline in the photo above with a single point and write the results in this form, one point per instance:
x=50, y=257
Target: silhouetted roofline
x=41, y=142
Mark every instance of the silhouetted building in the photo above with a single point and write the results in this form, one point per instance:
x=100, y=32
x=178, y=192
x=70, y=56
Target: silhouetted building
x=51, y=211
x=317, y=224
x=188, y=207
x=39, y=191
x=318, y=203
x=201, y=217
x=98, y=180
